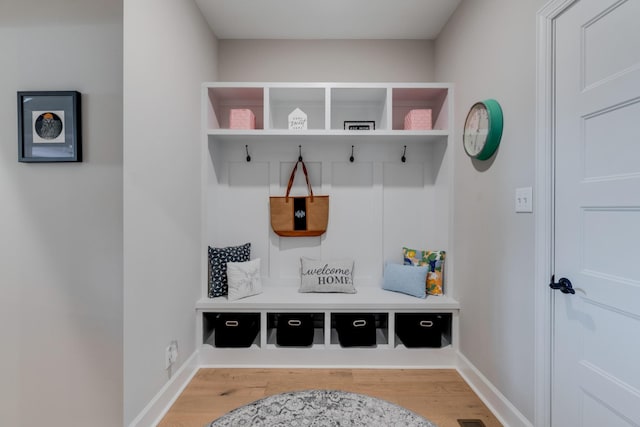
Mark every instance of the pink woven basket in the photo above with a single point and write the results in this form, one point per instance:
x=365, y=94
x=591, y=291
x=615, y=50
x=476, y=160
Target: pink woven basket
x=418, y=120
x=242, y=118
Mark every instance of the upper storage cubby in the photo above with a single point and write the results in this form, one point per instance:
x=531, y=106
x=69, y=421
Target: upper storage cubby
x=221, y=99
x=283, y=100
x=359, y=106
x=365, y=112
x=405, y=99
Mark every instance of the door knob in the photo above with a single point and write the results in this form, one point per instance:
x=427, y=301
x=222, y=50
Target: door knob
x=563, y=284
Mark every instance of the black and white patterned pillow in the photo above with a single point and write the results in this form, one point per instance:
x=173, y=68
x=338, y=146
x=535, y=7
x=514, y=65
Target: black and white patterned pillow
x=218, y=259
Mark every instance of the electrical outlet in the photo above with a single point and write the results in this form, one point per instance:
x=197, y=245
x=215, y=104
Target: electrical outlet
x=524, y=199
x=171, y=354
x=167, y=357
x=174, y=351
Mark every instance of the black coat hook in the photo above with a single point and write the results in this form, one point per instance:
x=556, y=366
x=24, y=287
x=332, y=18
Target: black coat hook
x=404, y=155
x=351, y=159
x=246, y=147
x=299, y=153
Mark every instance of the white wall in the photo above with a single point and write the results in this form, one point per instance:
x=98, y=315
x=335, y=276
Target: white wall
x=169, y=51
x=61, y=224
x=326, y=60
x=488, y=50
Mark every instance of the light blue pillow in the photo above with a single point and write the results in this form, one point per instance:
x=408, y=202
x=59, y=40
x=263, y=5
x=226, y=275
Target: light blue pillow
x=407, y=279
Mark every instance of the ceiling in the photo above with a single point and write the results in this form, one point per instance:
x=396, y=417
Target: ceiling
x=327, y=19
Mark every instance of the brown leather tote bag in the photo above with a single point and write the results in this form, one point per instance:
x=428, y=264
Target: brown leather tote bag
x=299, y=216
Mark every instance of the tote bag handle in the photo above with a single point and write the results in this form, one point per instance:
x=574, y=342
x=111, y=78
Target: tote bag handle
x=293, y=176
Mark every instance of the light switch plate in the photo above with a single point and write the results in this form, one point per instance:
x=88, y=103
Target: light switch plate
x=524, y=199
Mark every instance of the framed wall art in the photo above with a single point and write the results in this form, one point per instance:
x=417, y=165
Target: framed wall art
x=49, y=127
x=361, y=125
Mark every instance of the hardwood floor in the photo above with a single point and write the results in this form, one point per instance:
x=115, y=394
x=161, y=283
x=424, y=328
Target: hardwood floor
x=440, y=395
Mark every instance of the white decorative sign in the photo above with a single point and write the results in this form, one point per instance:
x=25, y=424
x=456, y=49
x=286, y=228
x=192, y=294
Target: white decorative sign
x=297, y=120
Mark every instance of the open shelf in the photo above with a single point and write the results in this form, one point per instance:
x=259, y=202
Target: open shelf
x=282, y=101
x=380, y=323
x=422, y=330
x=406, y=99
x=221, y=99
x=211, y=323
x=327, y=105
x=359, y=105
x=273, y=320
x=315, y=136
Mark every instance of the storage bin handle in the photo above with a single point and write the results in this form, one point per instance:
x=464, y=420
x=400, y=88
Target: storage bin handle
x=294, y=322
x=426, y=323
x=231, y=323
x=359, y=323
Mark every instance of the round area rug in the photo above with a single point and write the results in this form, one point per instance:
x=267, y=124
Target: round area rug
x=321, y=408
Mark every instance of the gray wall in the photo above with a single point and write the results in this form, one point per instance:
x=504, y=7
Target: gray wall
x=61, y=224
x=488, y=49
x=326, y=60
x=169, y=51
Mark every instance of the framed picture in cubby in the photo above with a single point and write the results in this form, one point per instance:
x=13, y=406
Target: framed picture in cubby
x=360, y=125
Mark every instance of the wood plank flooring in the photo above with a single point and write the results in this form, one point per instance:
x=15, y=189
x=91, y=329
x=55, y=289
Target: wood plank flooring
x=440, y=395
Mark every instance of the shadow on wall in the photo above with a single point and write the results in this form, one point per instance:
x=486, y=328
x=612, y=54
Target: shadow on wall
x=484, y=165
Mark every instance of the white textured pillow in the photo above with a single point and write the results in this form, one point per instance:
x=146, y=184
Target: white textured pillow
x=327, y=276
x=244, y=279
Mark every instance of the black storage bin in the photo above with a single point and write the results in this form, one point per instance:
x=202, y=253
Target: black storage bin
x=236, y=329
x=295, y=330
x=356, y=330
x=421, y=329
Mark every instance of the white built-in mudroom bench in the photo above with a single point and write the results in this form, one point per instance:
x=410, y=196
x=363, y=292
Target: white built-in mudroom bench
x=389, y=188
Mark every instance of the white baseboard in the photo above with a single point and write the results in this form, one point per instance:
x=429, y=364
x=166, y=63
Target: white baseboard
x=504, y=410
x=497, y=403
x=161, y=402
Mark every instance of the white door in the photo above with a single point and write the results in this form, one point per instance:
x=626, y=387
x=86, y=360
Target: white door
x=596, y=331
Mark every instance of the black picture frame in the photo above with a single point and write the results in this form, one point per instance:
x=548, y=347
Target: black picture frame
x=360, y=125
x=49, y=126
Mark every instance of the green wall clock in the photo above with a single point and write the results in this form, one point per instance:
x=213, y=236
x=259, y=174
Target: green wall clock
x=482, y=129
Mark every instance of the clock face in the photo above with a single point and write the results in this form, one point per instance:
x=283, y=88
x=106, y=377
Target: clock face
x=476, y=129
